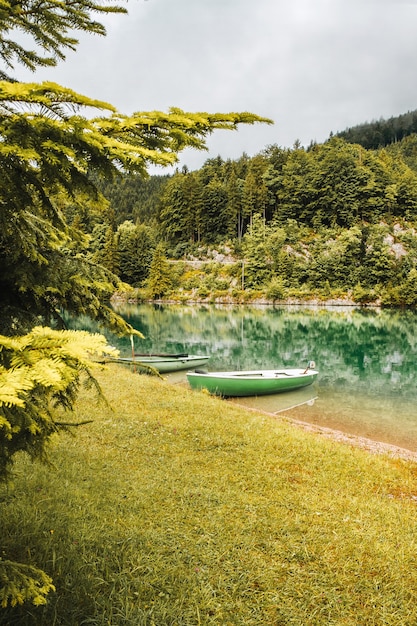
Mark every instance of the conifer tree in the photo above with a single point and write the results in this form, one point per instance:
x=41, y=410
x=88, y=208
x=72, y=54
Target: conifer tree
x=235, y=202
x=159, y=280
x=135, y=245
x=109, y=254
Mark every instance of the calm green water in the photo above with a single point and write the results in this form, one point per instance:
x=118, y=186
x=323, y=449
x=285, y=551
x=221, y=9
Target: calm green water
x=367, y=359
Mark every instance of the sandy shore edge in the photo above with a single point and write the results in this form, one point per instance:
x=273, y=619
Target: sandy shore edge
x=370, y=445
x=375, y=447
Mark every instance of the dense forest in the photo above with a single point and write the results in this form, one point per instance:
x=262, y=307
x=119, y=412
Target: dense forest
x=332, y=221
x=381, y=133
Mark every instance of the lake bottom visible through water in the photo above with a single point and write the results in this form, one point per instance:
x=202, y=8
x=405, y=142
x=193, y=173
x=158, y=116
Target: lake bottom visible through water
x=382, y=421
x=385, y=420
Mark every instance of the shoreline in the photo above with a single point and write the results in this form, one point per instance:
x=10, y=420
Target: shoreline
x=358, y=441
x=370, y=445
x=190, y=299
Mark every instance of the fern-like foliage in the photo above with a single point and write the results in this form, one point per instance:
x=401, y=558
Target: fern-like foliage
x=48, y=26
x=38, y=372
x=20, y=583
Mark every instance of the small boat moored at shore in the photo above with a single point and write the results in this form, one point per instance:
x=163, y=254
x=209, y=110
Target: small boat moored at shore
x=253, y=383
x=164, y=363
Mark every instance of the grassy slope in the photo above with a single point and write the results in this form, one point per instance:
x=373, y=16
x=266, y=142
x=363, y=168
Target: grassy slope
x=179, y=509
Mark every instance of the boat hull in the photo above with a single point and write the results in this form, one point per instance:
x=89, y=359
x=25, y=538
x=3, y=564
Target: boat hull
x=168, y=363
x=252, y=383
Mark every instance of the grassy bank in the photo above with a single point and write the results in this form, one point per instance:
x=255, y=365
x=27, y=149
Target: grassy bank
x=175, y=508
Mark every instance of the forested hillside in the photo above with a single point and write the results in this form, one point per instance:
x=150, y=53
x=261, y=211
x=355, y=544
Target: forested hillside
x=336, y=220
x=381, y=133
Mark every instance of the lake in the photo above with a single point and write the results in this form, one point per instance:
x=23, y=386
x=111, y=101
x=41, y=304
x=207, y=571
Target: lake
x=367, y=358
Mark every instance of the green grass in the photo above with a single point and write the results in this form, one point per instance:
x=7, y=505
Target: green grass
x=177, y=508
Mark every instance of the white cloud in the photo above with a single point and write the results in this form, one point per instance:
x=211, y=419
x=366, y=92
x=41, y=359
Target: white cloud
x=314, y=67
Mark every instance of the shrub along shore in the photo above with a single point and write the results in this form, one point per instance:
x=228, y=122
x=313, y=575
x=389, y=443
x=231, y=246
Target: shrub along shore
x=174, y=507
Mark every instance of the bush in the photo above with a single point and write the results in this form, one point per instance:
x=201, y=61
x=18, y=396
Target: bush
x=276, y=289
x=203, y=291
x=363, y=295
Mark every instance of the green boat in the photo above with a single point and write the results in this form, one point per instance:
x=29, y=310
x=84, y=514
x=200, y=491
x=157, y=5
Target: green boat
x=252, y=383
x=165, y=363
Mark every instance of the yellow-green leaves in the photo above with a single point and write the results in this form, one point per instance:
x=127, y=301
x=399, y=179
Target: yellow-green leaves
x=23, y=583
x=13, y=385
x=47, y=94
x=37, y=370
x=48, y=29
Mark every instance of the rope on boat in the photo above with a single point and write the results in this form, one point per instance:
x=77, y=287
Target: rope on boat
x=311, y=365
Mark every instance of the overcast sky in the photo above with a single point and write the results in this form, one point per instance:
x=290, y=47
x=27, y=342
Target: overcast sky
x=313, y=66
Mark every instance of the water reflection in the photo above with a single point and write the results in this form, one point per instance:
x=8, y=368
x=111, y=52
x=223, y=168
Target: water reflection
x=280, y=402
x=366, y=358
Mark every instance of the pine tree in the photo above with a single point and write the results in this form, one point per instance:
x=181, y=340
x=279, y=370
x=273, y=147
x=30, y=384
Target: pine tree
x=135, y=249
x=159, y=279
x=110, y=254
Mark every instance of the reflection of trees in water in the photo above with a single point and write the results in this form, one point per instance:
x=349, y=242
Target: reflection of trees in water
x=358, y=347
